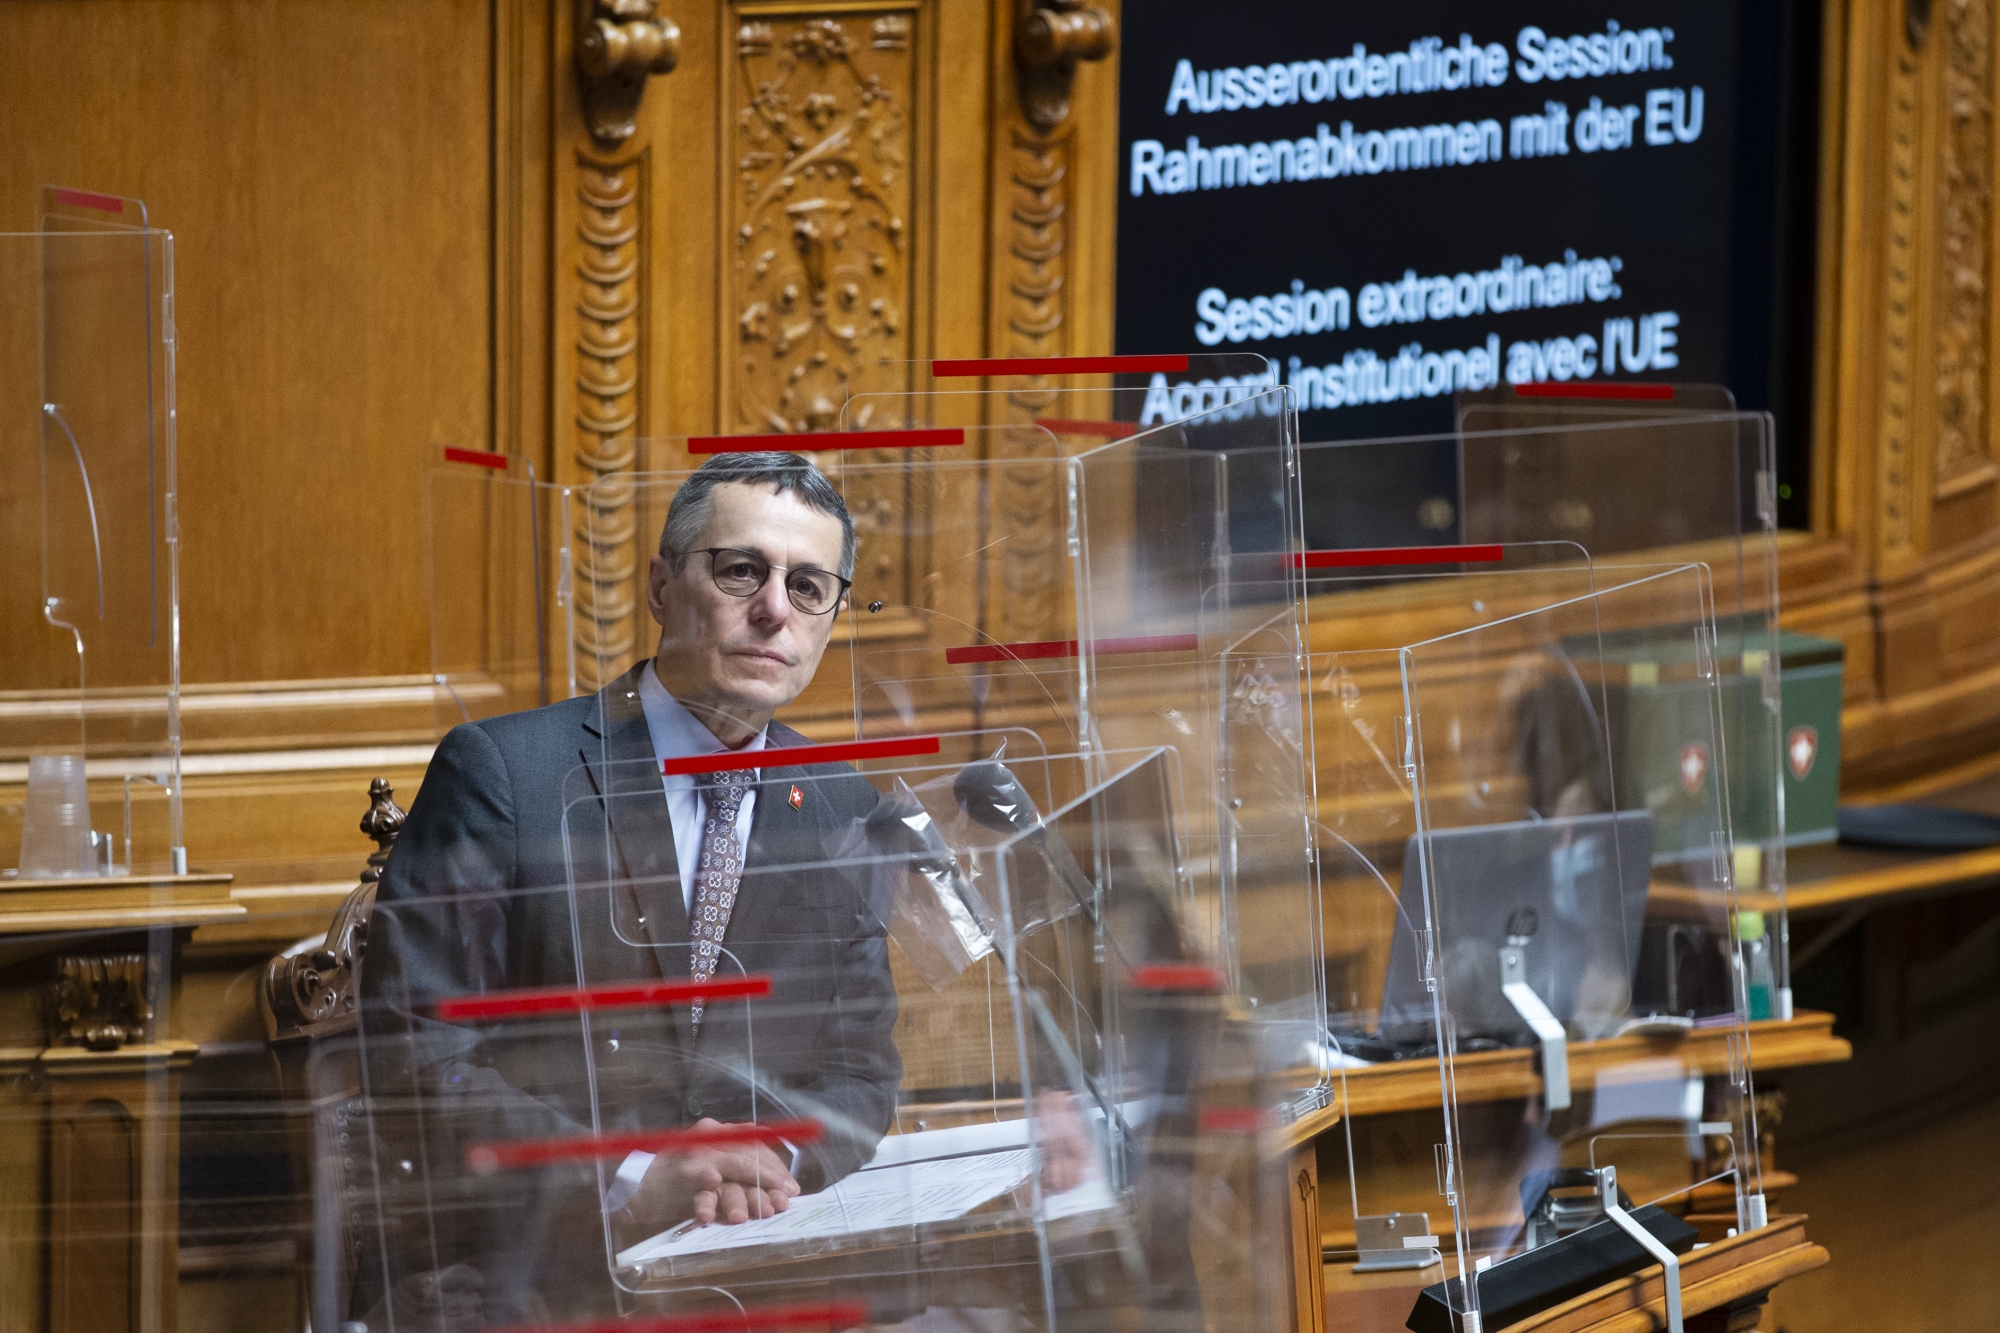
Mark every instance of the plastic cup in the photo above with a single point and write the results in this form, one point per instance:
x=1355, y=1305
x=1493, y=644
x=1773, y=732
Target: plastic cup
x=55, y=823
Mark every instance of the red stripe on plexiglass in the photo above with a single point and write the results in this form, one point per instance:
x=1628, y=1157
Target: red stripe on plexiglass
x=1028, y=652
x=103, y=203
x=1057, y=365
x=792, y=756
x=1229, y=1120
x=576, y=1000
x=1396, y=555
x=488, y=1157
x=1109, y=430
x=833, y=1314
x=1648, y=392
x=823, y=440
x=476, y=457
x=1176, y=976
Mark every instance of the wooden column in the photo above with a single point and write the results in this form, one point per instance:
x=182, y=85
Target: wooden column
x=1050, y=277
x=1905, y=460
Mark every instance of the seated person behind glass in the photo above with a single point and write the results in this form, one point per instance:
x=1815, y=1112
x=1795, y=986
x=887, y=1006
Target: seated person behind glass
x=476, y=898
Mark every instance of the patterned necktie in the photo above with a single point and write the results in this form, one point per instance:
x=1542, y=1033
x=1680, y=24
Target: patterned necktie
x=721, y=870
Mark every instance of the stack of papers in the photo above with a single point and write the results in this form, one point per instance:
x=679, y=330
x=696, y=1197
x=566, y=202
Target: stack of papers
x=883, y=1198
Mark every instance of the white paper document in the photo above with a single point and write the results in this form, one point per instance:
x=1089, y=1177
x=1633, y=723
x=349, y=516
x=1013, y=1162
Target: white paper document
x=884, y=1198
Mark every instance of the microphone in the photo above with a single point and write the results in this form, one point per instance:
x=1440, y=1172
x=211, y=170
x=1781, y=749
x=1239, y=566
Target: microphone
x=993, y=797
x=900, y=827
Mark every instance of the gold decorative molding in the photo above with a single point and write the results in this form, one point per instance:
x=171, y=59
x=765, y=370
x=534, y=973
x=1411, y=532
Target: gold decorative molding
x=618, y=44
x=817, y=225
x=102, y=1001
x=1965, y=199
x=610, y=321
x=1895, y=477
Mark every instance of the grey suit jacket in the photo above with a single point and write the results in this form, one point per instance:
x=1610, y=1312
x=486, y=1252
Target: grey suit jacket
x=539, y=853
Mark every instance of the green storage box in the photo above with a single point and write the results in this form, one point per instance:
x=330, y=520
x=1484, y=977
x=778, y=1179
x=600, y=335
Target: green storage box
x=1661, y=734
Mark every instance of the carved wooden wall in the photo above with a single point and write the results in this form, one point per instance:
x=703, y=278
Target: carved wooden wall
x=399, y=233
x=820, y=196
x=1906, y=565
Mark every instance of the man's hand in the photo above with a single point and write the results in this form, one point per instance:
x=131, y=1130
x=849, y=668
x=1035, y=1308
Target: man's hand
x=731, y=1182
x=1064, y=1141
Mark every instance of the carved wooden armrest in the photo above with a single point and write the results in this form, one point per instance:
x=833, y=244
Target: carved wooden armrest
x=315, y=991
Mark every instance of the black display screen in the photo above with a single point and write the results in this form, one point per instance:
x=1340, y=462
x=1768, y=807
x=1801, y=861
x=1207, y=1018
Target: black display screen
x=1397, y=203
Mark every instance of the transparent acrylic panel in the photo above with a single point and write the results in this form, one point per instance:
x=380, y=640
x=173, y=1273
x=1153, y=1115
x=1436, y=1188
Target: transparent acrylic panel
x=91, y=838
x=1566, y=922
x=1081, y=400
x=1384, y=1211
x=1644, y=481
x=501, y=556
x=1047, y=1137
x=1186, y=535
x=87, y=439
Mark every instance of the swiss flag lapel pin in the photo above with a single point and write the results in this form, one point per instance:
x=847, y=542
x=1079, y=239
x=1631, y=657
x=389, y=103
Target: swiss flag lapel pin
x=797, y=798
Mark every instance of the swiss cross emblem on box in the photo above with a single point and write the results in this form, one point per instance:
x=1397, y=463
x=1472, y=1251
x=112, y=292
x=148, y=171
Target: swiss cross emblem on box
x=1801, y=748
x=1694, y=765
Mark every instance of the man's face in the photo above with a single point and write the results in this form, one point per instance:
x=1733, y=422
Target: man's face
x=733, y=661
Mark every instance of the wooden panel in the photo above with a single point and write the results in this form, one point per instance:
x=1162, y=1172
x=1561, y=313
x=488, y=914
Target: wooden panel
x=1904, y=432
x=333, y=274
x=96, y=1232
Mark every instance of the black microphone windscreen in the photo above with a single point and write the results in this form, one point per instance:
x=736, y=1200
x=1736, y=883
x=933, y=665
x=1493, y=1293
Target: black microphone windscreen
x=991, y=795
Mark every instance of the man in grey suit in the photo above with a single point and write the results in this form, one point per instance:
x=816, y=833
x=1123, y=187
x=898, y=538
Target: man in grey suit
x=545, y=849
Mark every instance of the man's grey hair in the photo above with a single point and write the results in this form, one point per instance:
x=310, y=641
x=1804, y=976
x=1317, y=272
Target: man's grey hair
x=689, y=512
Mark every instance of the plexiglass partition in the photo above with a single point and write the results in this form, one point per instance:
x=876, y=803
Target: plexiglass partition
x=1520, y=934
x=96, y=874
x=499, y=545
x=1023, y=599
x=1198, y=626
x=599, y=1108
x=1078, y=399
x=87, y=434
x=1627, y=481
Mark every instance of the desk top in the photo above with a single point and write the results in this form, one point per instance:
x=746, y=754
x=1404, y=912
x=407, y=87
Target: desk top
x=113, y=902
x=1832, y=877
x=1711, y=1277
x=1487, y=1076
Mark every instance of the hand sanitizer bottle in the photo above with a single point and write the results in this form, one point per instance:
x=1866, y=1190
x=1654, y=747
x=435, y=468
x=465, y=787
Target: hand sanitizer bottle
x=1760, y=983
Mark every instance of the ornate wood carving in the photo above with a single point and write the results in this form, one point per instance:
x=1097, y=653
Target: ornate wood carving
x=619, y=43
x=818, y=222
x=1040, y=150
x=311, y=991
x=611, y=322
x=1965, y=225
x=1895, y=479
x=817, y=239
x=1036, y=260
x=102, y=1001
x=1049, y=39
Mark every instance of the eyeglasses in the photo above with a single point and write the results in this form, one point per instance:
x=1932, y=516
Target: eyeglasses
x=743, y=573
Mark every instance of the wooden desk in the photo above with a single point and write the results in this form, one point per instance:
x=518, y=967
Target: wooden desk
x=1833, y=877
x=1377, y=1094
x=1413, y=1085
x=91, y=1059
x=1723, y=1287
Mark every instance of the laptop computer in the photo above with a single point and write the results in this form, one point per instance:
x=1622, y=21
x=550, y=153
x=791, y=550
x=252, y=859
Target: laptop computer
x=1576, y=887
